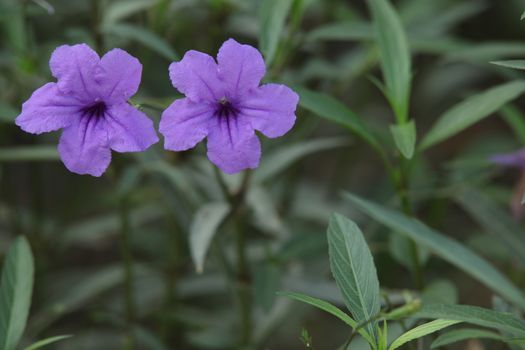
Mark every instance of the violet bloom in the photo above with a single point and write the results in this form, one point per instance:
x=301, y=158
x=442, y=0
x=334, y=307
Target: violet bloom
x=89, y=101
x=514, y=159
x=225, y=103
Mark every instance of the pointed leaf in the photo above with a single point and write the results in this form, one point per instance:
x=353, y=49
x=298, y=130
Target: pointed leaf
x=464, y=334
x=354, y=271
x=204, y=226
x=445, y=247
x=515, y=64
x=28, y=154
x=16, y=288
x=41, y=343
x=471, y=111
x=405, y=138
x=272, y=19
x=421, y=331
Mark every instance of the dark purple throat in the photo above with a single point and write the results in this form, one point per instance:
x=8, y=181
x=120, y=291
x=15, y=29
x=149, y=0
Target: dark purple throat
x=225, y=109
x=96, y=110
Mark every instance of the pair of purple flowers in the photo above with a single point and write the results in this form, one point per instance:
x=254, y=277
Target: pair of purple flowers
x=223, y=103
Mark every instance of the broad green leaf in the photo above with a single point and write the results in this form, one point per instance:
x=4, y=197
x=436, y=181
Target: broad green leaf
x=272, y=18
x=204, y=226
x=41, y=343
x=421, y=331
x=471, y=111
x=443, y=246
x=475, y=315
x=405, y=138
x=331, y=309
x=328, y=107
x=281, y=159
x=515, y=119
x=464, y=334
x=354, y=271
x=395, y=55
x=118, y=10
x=16, y=288
x=28, y=154
x=493, y=220
x=516, y=64
x=143, y=36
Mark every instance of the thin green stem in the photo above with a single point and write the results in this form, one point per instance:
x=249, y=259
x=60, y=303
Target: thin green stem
x=127, y=264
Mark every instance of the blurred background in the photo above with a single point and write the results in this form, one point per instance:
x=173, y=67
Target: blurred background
x=74, y=222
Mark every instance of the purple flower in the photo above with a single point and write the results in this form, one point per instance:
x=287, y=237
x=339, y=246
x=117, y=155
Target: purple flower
x=89, y=101
x=225, y=103
x=514, y=159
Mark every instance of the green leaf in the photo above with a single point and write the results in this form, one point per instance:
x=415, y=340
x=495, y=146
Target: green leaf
x=405, y=138
x=278, y=161
x=471, y=111
x=204, y=226
x=421, y=331
x=447, y=248
x=41, y=343
x=121, y=9
x=329, y=108
x=522, y=16
x=475, y=315
x=331, y=309
x=16, y=288
x=348, y=30
x=354, y=271
x=267, y=277
x=29, y=154
x=272, y=17
x=144, y=37
x=464, y=334
x=516, y=64
x=394, y=55
x=7, y=113
x=515, y=119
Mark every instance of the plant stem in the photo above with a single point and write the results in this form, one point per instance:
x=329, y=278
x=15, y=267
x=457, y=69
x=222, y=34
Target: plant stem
x=127, y=264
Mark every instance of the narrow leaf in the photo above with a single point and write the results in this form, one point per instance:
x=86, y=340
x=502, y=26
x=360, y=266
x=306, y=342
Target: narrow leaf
x=204, y=226
x=272, y=19
x=515, y=119
x=331, y=309
x=118, y=10
x=471, y=111
x=445, y=247
x=464, y=334
x=515, y=64
x=394, y=55
x=28, y=154
x=354, y=271
x=405, y=138
x=16, y=288
x=421, y=331
x=47, y=341
x=329, y=108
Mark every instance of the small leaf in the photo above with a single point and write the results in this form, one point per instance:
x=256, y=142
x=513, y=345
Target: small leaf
x=522, y=16
x=331, y=309
x=272, y=19
x=464, y=334
x=41, y=343
x=204, y=226
x=394, y=55
x=28, y=154
x=516, y=64
x=471, y=111
x=328, y=107
x=121, y=9
x=354, y=271
x=421, y=331
x=348, y=30
x=16, y=288
x=443, y=246
x=405, y=138
x=475, y=315
x=143, y=36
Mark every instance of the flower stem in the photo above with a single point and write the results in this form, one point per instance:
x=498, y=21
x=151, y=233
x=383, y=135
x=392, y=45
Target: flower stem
x=127, y=264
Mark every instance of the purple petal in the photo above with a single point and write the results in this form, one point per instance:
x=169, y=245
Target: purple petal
x=119, y=75
x=241, y=67
x=48, y=110
x=185, y=123
x=270, y=109
x=196, y=77
x=128, y=129
x=233, y=145
x=75, y=67
x=514, y=159
x=83, y=147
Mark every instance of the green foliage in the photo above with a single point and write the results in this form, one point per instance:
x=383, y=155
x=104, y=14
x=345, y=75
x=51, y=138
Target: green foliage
x=272, y=18
x=421, y=331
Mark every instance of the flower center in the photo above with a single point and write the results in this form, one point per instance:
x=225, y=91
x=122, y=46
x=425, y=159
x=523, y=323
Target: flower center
x=96, y=110
x=225, y=109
